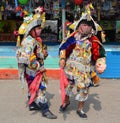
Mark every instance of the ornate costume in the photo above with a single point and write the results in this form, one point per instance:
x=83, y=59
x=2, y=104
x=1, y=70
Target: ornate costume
x=31, y=54
x=81, y=52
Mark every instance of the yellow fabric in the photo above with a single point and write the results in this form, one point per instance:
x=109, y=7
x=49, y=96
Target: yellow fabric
x=18, y=41
x=62, y=54
x=32, y=57
x=22, y=28
x=99, y=28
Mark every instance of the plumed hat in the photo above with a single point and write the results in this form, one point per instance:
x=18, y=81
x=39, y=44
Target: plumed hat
x=36, y=18
x=87, y=19
x=32, y=21
x=22, y=28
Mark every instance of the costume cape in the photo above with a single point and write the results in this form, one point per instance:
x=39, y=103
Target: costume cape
x=34, y=87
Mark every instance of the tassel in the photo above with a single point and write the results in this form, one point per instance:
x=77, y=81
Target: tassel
x=0, y=15
x=18, y=41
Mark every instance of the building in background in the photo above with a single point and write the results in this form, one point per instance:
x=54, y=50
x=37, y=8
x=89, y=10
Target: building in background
x=106, y=11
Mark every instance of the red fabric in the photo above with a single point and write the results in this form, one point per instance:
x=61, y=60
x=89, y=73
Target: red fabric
x=73, y=33
x=78, y=2
x=63, y=83
x=95, y=48
x=34, y=86
x=39, y=39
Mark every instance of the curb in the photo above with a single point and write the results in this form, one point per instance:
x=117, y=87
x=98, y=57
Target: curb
x=13, y=74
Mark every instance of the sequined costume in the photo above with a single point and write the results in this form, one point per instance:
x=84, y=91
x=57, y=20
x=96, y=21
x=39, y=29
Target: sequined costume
x=31, y=60
x=78, y=66
x=31, y=54
x=79, y=57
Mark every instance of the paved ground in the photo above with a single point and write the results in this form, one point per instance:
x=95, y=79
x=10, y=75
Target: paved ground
x=103, y=105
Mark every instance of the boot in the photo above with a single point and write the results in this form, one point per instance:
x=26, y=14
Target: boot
x=63, y=108
x=46, y=112
x=81, y=114
x=33, y=106
x=49, y=115
x=66, y=104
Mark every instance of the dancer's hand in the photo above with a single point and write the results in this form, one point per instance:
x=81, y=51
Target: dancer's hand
x=62, y=63
x=42, y=70
x=101, y=65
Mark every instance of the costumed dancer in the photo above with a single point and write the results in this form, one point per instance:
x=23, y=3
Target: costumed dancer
x=81, y=56
x=31, y=54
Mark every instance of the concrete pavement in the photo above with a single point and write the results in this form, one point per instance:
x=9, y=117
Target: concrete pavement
x=102, y=106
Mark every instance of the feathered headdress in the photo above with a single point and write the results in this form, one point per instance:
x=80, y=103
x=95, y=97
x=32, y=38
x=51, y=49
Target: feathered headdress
x=36, y=18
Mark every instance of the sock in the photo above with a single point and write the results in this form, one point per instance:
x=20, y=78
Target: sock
x=82, y=111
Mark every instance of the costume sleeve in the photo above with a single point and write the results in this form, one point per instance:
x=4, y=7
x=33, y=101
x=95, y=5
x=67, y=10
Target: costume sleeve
x=98, y=50
x=67, y=47
x=26, y=50
x=98, y=55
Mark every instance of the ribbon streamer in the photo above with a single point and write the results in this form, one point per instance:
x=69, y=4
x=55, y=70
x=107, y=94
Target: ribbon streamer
x=16, y=3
